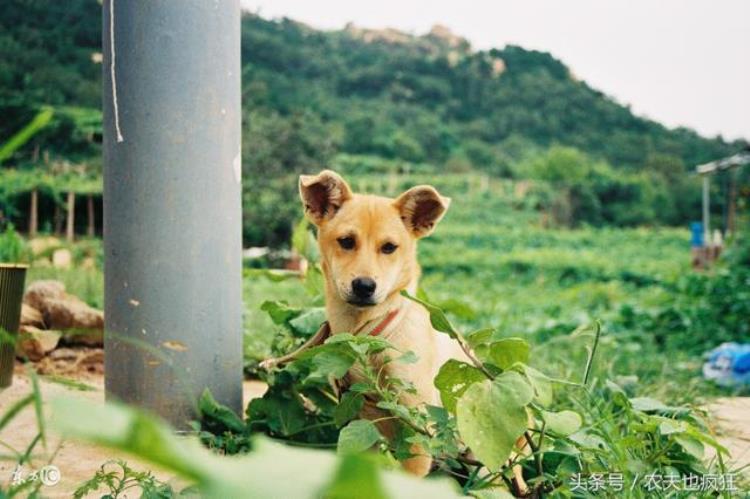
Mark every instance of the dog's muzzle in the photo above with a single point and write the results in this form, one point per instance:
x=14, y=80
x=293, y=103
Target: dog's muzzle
x=363, y=291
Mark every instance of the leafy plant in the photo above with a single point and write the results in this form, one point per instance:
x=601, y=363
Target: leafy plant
x=498, y=412
x=119, y=480
x=22, y=136
x=21, y=457
x=12, y=247
x=269, y=470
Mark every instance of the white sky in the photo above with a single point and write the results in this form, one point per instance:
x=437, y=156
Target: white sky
x=680, y=62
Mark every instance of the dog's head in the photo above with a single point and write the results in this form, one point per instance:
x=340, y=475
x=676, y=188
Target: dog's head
x=368, y=243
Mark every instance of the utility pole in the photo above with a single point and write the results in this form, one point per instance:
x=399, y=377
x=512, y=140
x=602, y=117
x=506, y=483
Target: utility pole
x=731, y=202
x=70, y=217
x=706, y=210
x=34, y=213
x=172, y=215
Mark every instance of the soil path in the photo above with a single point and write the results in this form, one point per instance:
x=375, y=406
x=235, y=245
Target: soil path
x=732, y=420
x=78, y=461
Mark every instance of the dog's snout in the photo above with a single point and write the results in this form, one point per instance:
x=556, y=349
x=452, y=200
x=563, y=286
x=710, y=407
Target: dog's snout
x=363, y=287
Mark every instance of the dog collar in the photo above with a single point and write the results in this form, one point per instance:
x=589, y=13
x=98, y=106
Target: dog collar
x=377, y=326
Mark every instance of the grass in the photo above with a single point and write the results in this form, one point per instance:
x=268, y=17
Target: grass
x=492, y=256
x=492, y=264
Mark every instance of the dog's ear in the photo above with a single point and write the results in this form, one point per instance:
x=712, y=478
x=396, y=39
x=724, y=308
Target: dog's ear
x=323, y=194
x=421, y=208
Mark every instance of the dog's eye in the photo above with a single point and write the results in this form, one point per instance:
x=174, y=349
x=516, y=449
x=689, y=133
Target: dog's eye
x=346, y=242
x=388, y=248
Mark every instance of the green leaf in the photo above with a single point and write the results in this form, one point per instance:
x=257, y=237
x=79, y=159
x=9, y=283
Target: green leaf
x=331, y=362
x=308, y=322
x=22, y=136
x=695, y=433
x=213, y=412
x=505, y=352
x=562, y=423
x=690, y=445
x=492, y=493
x=278, y=410
x=492, y=416
x=437, y=317
x=303, y=241
x=15, y=408
x=541, y=384
x=40, y=420
x=458, y=308
x=357, y=476
x=480, y=336
x=395, y=408
x=270, y=470
x=273, y=275
x=650, y=405
x=647, y=404
x=358, y=436
x=349, y=407
x=670, y=426
x=588, y=440
x=280, y=311
x=408, y=358
x=314, y=281
x=453, y=379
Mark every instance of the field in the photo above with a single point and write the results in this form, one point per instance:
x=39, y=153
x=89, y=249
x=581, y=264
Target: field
x=493, y=263
x=607, y=325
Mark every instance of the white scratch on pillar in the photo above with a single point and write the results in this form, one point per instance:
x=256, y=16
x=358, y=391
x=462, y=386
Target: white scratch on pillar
x=112, y=69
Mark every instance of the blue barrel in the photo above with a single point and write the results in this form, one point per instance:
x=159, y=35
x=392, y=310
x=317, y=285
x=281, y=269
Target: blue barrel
x=696, y=234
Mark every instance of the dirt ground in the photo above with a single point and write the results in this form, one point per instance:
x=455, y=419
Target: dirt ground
x=78, y=462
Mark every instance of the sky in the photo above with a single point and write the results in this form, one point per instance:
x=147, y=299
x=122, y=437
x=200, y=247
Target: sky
x=680, y=62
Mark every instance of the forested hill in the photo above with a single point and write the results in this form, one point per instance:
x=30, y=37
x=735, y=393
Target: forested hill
x=431, y=98
x=358, y=100
x=423, y=99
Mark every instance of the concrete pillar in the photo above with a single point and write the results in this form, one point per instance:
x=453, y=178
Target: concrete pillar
x=172, y=216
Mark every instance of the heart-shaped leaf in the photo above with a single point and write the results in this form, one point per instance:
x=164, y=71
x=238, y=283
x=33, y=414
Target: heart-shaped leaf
x=453, y=379
x=492, y=416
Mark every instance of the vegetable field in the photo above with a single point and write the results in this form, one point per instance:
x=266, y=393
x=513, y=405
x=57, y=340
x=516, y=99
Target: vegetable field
x=586, y=349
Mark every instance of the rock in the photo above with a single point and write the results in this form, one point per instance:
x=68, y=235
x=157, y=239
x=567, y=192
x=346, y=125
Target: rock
x=39, y=245
x=87, y=337
x=62, y=258
x=92, y=362
x=31, y=316
x=80, y=323
x=38, y=292
x=63, y=354
x=76, y=363
x=71, y=313
x=34, y=343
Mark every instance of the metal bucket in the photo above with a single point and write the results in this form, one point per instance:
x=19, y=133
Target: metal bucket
x=12, y=277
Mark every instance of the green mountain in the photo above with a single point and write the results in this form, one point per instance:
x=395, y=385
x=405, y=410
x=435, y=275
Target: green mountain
x=362, y=101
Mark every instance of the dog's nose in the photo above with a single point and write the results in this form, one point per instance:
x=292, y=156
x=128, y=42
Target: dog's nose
x=363, y=287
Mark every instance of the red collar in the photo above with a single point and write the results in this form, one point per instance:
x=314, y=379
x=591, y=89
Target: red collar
x=380, y=325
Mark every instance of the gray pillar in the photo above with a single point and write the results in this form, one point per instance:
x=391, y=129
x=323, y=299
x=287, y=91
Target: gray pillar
x=172, y=217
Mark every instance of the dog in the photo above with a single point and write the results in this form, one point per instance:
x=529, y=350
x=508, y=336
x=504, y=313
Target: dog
x=368, y=247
